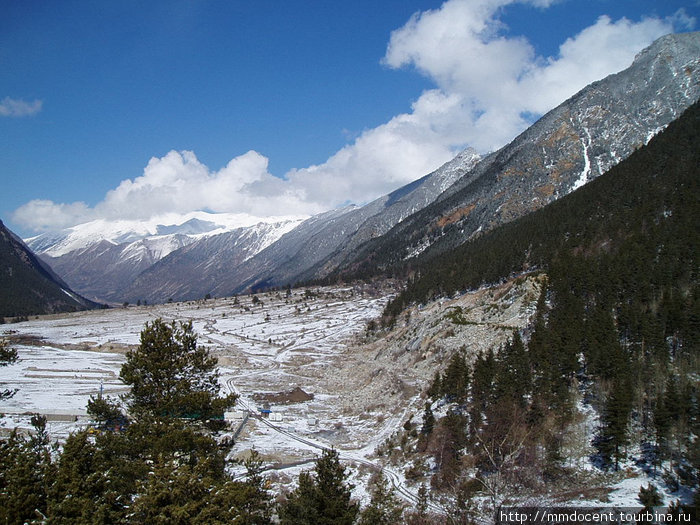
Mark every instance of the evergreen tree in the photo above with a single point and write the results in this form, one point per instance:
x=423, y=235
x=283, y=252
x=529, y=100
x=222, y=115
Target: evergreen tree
x=384, y=507
x=300, y=506
x=428, y=420
x=481, y=388
x=82, y=492
x=420, y=515
x=613, y=436
x=435, y=389
x=446, y=444
x=321, y=499
x=170, y=375
x=104, y=411
x=650, y=497
x=8, y=355
x=455, y=381
x=26, y=471
x=513, y=378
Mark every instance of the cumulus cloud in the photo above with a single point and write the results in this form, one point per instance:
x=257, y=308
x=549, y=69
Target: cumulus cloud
x=488, y=85
x=10, y=107
x=464, y=49
x=178, y=183
x=43, y=215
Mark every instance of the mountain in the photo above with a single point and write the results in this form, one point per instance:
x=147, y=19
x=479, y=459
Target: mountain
x=28, y=285
x=102, y=258
x=568, y=147
x=224, y=265
x=316, y=246
x=640, y=217
x=203, y=266
x=118, y=261
x=612, y=340
x=102, y=269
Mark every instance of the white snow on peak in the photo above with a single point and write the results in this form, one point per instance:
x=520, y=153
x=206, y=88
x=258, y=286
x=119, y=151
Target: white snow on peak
x=159, y=230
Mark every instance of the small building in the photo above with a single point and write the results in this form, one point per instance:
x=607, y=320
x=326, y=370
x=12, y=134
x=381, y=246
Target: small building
x=276, y=416
x=234, y=415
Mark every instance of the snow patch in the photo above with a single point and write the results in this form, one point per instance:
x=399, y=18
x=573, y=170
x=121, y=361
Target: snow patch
x=585, y=174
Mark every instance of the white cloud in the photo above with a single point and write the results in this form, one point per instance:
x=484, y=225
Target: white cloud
x=486, y=83
x=463, y=49
x=43, y=215
x=597, y=51
x=176, y=184
x=10, y=107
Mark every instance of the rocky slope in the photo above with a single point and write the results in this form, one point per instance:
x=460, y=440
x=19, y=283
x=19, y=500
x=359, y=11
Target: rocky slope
x=569, y=146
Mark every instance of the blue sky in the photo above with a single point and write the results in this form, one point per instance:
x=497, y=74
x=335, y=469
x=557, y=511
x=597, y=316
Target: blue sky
x=133, y=109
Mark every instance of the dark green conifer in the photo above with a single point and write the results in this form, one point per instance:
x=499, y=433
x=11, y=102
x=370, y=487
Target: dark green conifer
x=324, y=498
x=171, y=376
x=384, y=507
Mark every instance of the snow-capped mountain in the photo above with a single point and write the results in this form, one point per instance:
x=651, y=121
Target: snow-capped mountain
x=102, y=258
x=193, y=225
x=205, y=265
x=568, y=147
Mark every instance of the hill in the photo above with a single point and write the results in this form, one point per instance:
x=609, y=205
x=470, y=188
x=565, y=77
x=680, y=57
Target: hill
x=28, y=285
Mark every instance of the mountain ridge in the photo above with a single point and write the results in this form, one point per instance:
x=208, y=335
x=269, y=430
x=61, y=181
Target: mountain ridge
x=569, y=146
x=551, y=158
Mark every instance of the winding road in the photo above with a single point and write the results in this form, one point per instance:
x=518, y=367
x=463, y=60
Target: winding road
x=396, y=480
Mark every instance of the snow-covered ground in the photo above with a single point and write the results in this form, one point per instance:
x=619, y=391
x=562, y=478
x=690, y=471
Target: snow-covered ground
x=265, y=343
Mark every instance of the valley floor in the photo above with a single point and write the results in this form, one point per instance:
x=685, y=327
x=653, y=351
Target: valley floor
x=308, y=358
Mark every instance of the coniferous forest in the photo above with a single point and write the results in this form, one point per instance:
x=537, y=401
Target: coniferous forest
x=617, y=329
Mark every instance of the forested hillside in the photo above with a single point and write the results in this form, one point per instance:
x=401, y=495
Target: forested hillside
x=616, y=331
x=640, y=218
x=28, y=285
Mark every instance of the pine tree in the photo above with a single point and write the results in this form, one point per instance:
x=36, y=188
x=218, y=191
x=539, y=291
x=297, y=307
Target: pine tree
x=455, y=381
x=8, y=355
x=428, y=420
x=481, y=388
x=435, y=389
x=26, y=471
x=170, y=376
x=513, y=379
x=81, y=491
x=322, y=499
x=613, y=436
x=650, y=497
x=105, y=411
x=384, y=507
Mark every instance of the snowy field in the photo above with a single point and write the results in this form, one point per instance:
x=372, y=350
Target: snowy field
x=267, y=343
